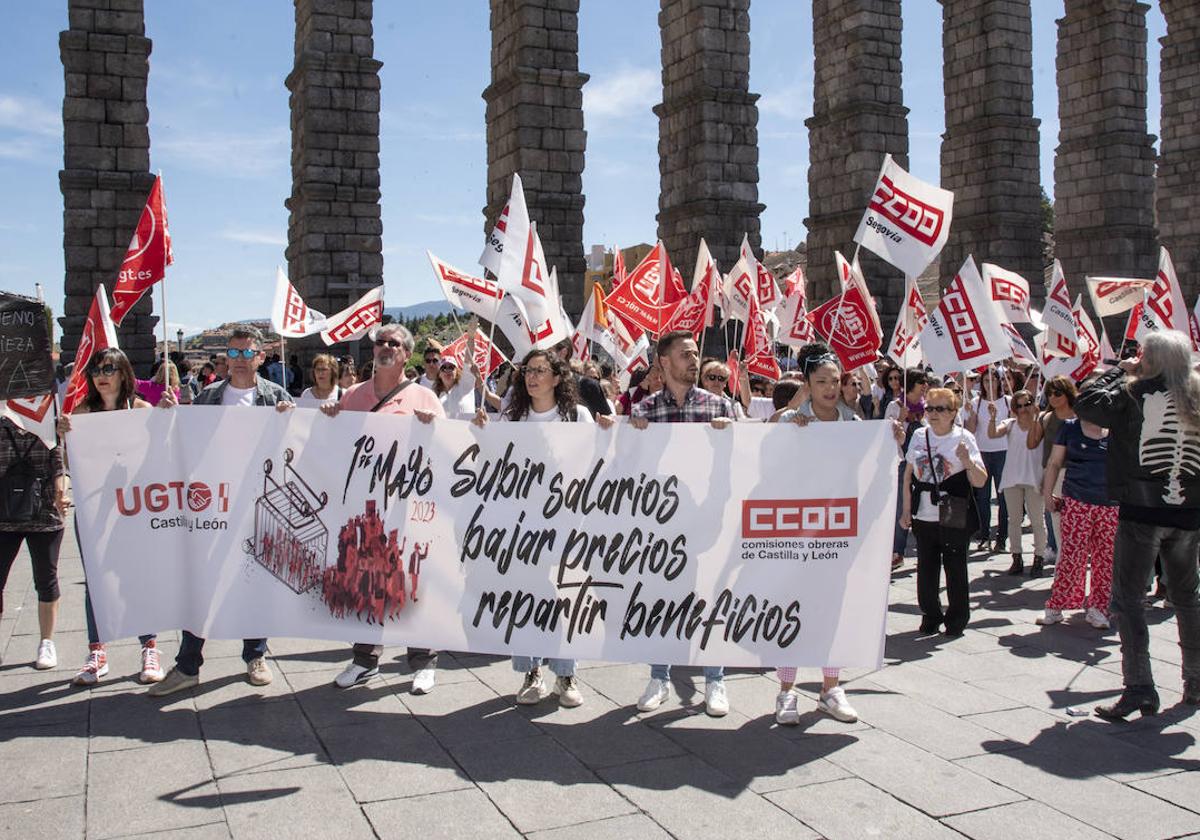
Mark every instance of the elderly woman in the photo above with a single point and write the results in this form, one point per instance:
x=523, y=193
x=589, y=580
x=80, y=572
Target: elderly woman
x=1152, y=410
x=324, y=373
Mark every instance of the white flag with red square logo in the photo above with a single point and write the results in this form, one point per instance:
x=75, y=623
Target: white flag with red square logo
x=477, y=295
x=354, y=321
x=1163, y=307
x=1058, y=316
x=905, y=347
x=795, y=330
x=1087, y=349
x=487, y=356
x=290, y=315
x=907, y=220
x=35, y=415
x=964, y=331
x=1114, y=295
x=1010, y=291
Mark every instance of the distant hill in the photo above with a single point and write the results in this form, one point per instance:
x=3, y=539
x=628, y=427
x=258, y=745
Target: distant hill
x=422, y=310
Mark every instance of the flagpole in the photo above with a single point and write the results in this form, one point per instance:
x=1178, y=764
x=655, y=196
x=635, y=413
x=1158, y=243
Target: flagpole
x=163, y=282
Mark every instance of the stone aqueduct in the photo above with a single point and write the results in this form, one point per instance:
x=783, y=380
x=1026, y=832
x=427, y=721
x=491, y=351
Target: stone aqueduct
x=1115, y=200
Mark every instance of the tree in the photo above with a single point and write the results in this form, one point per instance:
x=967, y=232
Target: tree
x=1047, y=213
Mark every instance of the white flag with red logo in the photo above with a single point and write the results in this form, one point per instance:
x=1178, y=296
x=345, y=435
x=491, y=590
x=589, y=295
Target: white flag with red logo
x=695, y=312
x=1010, y=291
x=35, y=415
x=487, y=356
x=1058, y=316
x=765, y=286
x=1106, y=349
x=618, y=267
x=493, y=249
x=846, y=323
x=477, y=295
x=354, y=321
x=738, y=287
x=795, y=330
x=1087, y=349
x=1114, y=295
x=758, y=352
x=964, y=330
x=851, y=274
x=650, y=293
x=1163, y=307
x=907, y=220
x=290, y=315
x=146, y=258
x=905, y=347
x=99, y=333
x=1019, y=349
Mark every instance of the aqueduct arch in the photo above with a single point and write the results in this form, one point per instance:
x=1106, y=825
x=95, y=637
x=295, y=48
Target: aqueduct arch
x=1115, y=199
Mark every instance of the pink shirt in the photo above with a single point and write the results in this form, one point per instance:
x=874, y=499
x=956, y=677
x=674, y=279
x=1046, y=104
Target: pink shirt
x=411, y=398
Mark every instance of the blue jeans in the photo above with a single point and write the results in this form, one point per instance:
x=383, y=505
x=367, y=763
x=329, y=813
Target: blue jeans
x=712, y=673
x=994, y=461
x=191, y=652
x=560, y=667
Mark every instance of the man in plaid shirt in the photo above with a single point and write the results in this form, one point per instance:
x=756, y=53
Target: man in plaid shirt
x=681, y=400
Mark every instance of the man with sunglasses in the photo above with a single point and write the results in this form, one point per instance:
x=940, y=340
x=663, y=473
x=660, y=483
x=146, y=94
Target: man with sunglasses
x=243, y=387
x=433, y=360
x=388, y=391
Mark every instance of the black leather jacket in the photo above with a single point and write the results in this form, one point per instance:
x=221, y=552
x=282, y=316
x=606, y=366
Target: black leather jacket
x=1153, y=458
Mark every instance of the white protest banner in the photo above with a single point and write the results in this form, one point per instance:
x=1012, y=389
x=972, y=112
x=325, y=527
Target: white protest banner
x=677, y=543
x=1114, y=295
x=1009, y=290
x=907, y=221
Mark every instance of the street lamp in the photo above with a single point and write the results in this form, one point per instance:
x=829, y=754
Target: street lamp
x=179, y=340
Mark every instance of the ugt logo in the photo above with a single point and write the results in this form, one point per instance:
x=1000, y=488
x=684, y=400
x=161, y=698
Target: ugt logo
x=156, y=498
x=762, y=518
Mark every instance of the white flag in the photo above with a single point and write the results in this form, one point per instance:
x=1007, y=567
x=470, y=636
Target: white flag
x=477, y=295
x=851, y=275
x=290, y=315
x=905, y=347
x=354, y=321
x=1114, y=295
x=35, y=415
x=1058, y=316
x=795, y=330
x=1010, y=291
x=1164, y=308
x=1018, y=349
x=1087, y=349
x=907, y=221
x=741, y=284
x=964, y=331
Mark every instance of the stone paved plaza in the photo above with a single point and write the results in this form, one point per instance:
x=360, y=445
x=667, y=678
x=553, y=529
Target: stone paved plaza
x=968, y=737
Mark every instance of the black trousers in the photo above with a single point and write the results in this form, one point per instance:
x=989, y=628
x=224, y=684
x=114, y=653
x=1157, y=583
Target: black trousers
x=43, y=553
x=941, y=549
x=367, y=656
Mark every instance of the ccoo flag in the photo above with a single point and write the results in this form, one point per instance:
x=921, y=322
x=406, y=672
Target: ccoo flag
x=907, y=221
x=964, y=331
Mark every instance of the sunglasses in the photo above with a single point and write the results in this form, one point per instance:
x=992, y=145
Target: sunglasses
x=103, y=370
x=1054, y=392
x=715, y=377
x=448, y=368
x=429, y=360
x=388, y=342
x=938, y=409
x=1022, y=405
x=234, y=353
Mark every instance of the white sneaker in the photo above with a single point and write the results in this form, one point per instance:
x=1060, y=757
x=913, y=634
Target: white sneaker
x=716, y=701
x=152, y=671
x=1049, y=617
x=424, y=680
x=835, y=704
x=47, y=656
x=1096, y=618
x=533, y=690
x=656, y=693
x=92, y=670
x=786, y=711
x=567, y=689
x=1049, y=554
x=353, y=675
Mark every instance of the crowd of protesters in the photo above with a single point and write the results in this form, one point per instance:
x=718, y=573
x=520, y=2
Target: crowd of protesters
x=1107, y=473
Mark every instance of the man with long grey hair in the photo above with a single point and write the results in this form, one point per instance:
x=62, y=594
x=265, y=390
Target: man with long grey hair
x=1151, y=407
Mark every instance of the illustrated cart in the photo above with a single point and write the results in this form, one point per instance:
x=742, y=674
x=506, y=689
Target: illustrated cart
x=290, y=539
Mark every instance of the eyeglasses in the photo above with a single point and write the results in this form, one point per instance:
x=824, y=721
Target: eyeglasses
x=235, y=353
x=938, y=409
x=388, y=342
x=715, y=377
x=103, y=370
x=539, y=371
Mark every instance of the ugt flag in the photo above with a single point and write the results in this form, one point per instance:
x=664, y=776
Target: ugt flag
x=907, y=221
x=98, y=334
x=846, y=321
x=964, y=331
x=147, y=257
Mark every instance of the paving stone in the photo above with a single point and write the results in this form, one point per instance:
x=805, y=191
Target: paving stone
x=208, y=831
x=131, y=719
x=294, y=656
x=390, y=756
x=327, y=705
x=1182, y=789
x=599, y=733
x=303, y=802
x=153, y=789
x=613, y=828
x=43, y=819
x=690, y=799
x=250, y=738
x=43, y=762
x=931, y=729
x=904, y=771
x=851, y=809
x=223, y=683
x=939, y=691
x=537, y=784
x=468, y=713
x=440, y=816
x=38, y=698
x=1094, y=800
x=1027, y=820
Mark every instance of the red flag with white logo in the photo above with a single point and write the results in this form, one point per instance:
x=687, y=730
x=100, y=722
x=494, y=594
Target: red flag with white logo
x=905, y=346
x=1058, y=316
x=290, y=315
x=907, y=220
x=1010, y=291
x=487, y=356
x=146, y=258
x=650, y=293
x=766, y=289
x=964, y=331
x=695, y=312
x=846, y=323
x=354, y=321
x=757, y=349
x=618, y=267
x=851, y=274
x=621, y=341
x=99, y=333
x=34, y=415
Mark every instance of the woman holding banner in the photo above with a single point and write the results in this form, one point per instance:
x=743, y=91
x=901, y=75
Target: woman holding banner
x=942, y=466
x=111, y=386
x=325, y=387
x=544, y=392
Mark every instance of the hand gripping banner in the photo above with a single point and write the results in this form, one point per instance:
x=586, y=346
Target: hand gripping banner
x=678, y=543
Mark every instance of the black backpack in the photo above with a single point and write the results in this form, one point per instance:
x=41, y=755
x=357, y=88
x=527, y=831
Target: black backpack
x=20, y=486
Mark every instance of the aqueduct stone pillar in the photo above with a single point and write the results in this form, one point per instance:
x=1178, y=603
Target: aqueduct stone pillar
x=1178, y=196
x=707, y=132
x=535, y=128
x=106, y=162
x=858, y=117
x=1104, y=165
x=990, y=148
x=335, y=232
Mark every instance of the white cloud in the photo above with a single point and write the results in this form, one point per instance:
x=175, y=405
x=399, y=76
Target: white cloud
x=631, y=91
x=254, y=237
x=264, y=154
x=793, y=102
x=29, y=129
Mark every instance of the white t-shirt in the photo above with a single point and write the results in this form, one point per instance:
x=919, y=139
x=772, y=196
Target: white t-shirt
x=944, y=459
x=310, y=400
x=987, y=444
x=238, y=396
x=582, y=415
x=1022, y=466
x=761, y=408
x=459, y=401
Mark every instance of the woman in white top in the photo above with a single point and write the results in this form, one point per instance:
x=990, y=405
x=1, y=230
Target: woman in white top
x=544, y=391
x=325, y=373
x=991, y=397
x=456, y=387
x=1021, y=483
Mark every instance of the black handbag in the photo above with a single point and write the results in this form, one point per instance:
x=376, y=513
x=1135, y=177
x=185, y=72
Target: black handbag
x=20, y=486
x=952, y=510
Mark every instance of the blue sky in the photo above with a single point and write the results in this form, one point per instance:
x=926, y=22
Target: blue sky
x=219, y=132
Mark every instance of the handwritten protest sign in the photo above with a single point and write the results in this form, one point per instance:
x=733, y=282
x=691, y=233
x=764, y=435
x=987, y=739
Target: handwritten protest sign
x=26, y=368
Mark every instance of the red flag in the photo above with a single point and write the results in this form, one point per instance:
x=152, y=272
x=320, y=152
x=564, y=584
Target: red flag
x=487, y=356
x=618, y=267
x=98, y=334
x=757, y=349
x=1131, y=326
x=147, y=257
x=851, y=333
x=650, y=293
x=695, y=312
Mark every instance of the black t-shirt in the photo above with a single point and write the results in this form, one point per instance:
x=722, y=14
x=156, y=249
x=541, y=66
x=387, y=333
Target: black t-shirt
x=592, y=396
